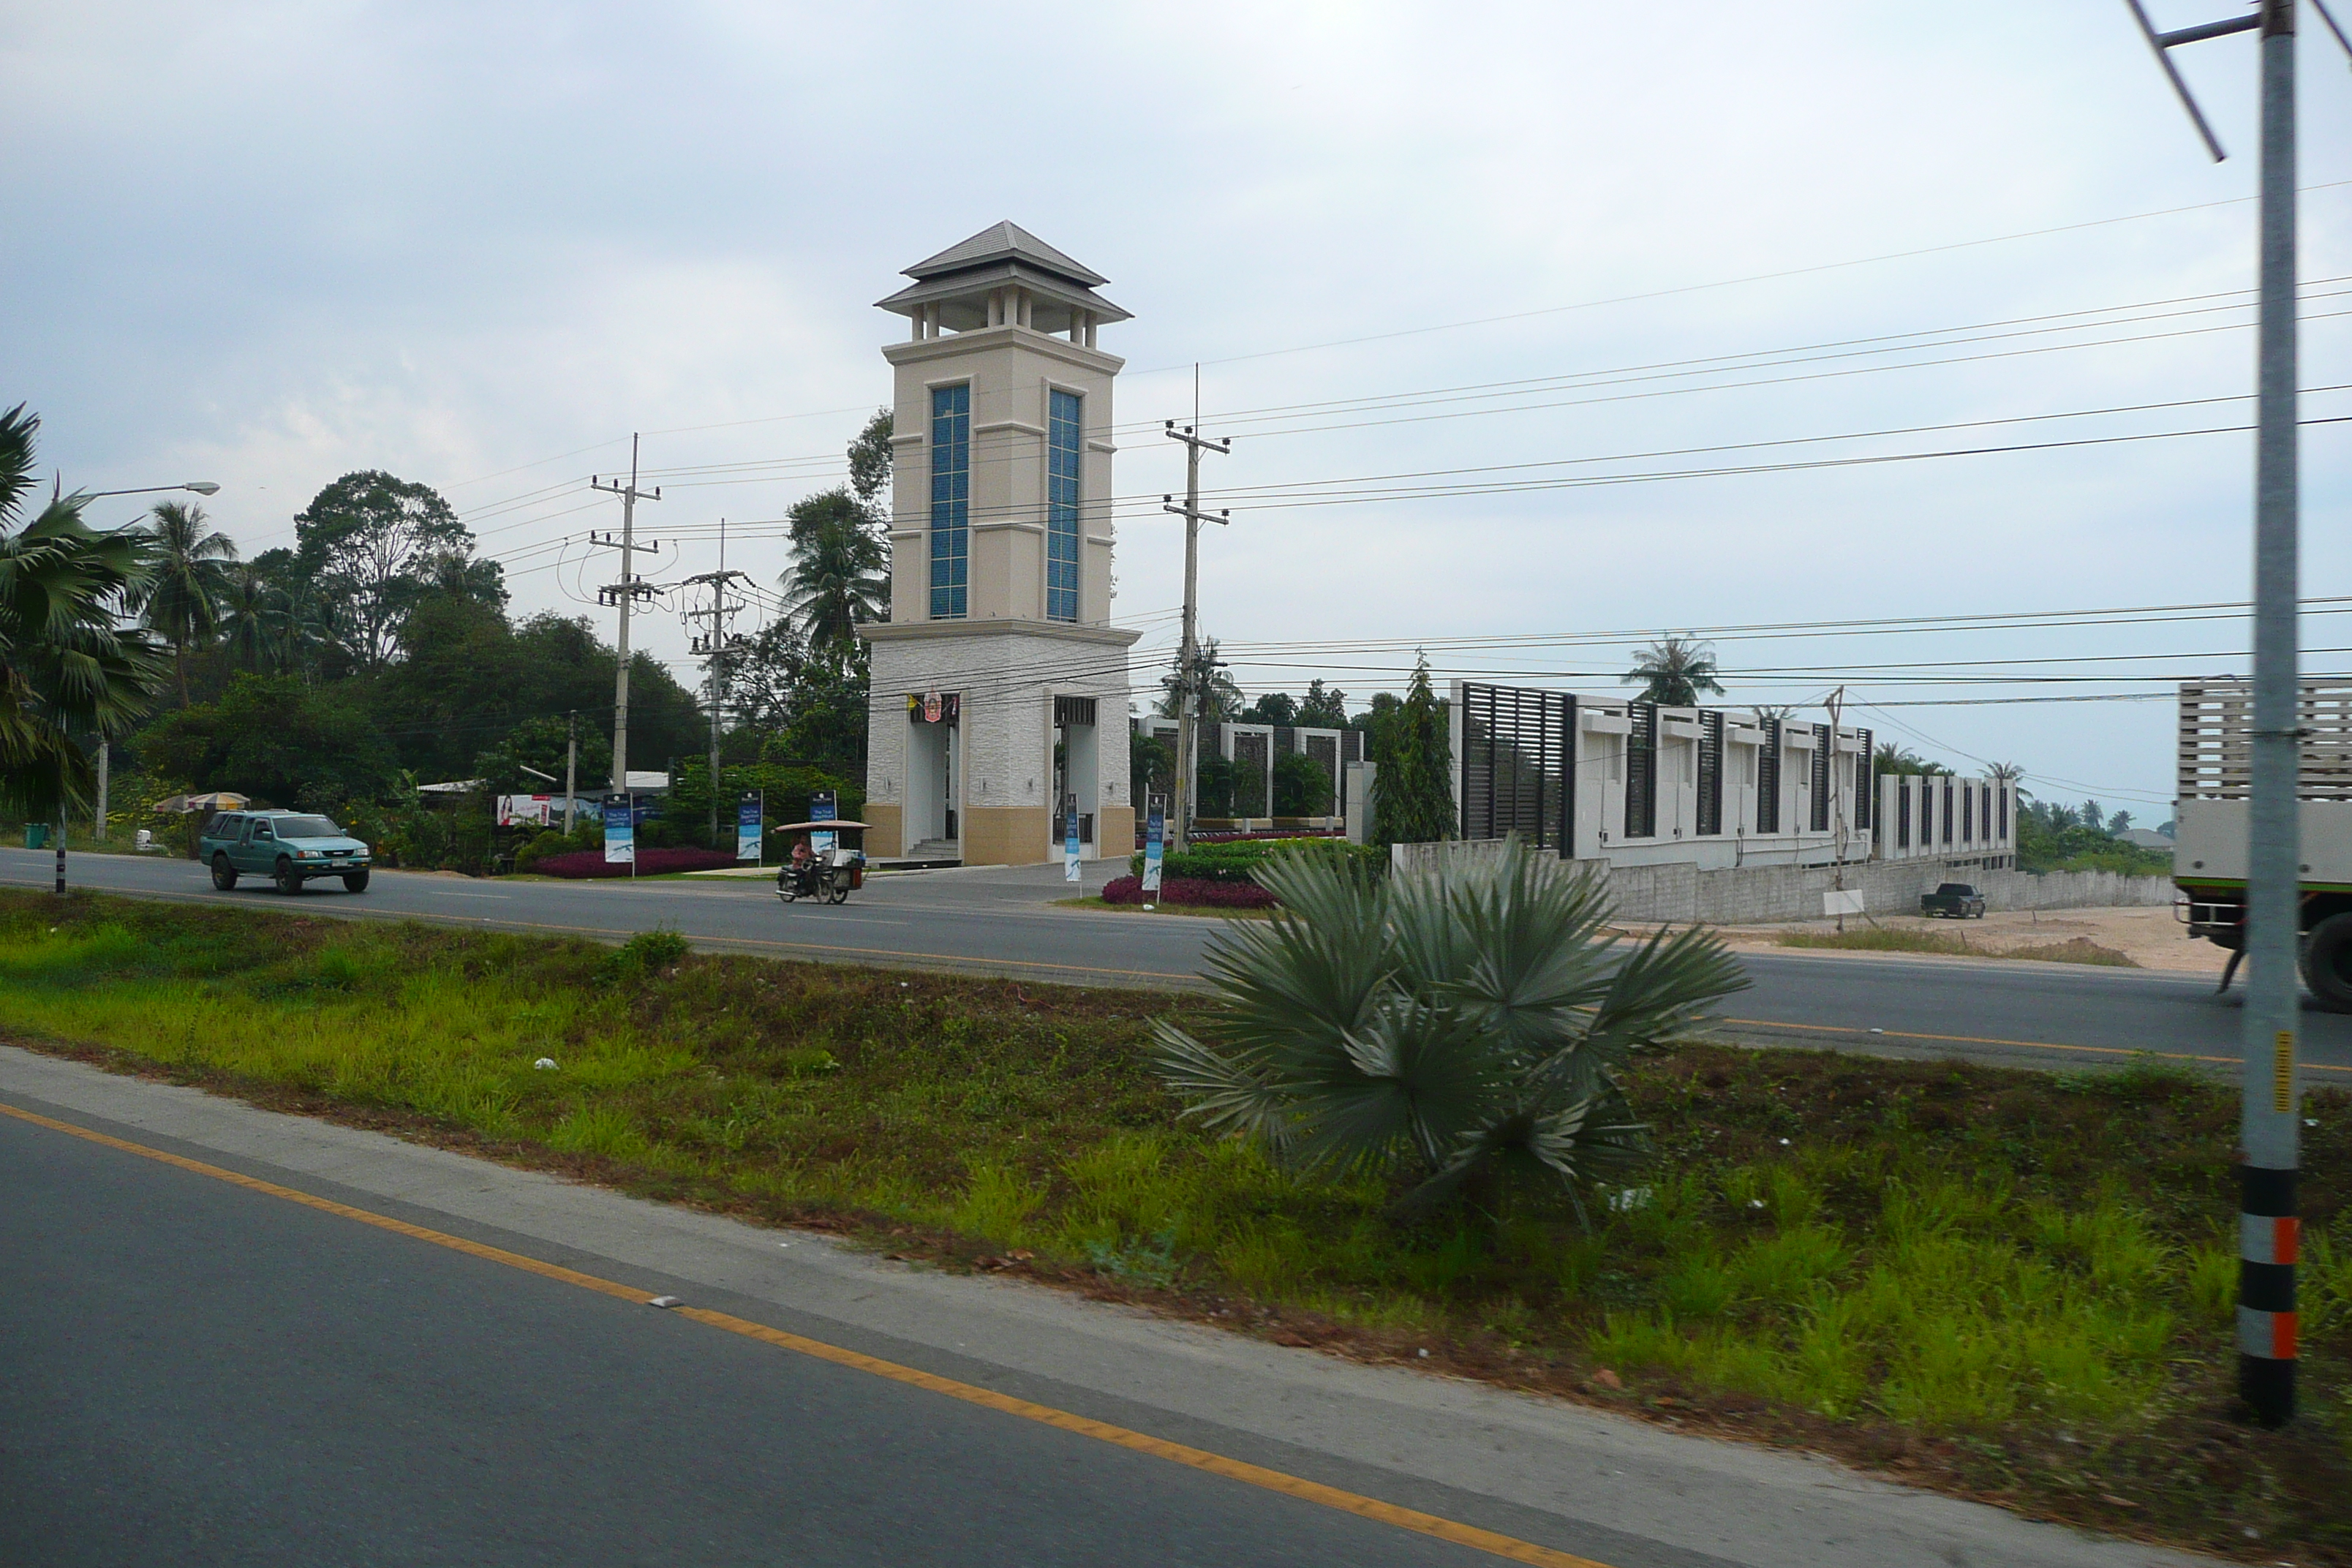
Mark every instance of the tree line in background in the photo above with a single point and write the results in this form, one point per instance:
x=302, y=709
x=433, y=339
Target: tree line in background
x=377, y=654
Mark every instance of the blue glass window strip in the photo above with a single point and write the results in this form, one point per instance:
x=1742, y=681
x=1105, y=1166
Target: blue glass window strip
x=1063, y=433
x=950, y=499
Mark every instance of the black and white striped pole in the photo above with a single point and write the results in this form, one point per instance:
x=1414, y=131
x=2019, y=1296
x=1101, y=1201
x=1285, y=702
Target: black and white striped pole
x=2268, y=1228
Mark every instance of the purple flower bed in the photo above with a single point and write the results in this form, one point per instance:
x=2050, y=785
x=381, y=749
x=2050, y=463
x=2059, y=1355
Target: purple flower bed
x=650, y=863
x=1191, y=891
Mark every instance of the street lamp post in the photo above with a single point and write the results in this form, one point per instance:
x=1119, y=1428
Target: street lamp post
x=202, y=488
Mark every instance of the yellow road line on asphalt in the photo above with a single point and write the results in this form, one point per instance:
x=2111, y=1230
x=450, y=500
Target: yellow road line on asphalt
x=2024, y=1044
x=1510, y=1548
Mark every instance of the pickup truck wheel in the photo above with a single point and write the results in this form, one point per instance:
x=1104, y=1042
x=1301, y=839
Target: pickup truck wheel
x=224, y=874
x=355, y=881
x=287, y=882
x=2328, y=961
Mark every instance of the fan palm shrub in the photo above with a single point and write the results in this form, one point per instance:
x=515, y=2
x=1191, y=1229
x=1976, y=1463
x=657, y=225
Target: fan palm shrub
x=1465, y=1029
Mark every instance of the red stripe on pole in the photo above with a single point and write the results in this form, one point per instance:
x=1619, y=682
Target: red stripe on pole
x=2286, y=1239
x=2283, y=1326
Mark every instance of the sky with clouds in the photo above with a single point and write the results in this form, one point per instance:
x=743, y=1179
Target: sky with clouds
x=1560, y=323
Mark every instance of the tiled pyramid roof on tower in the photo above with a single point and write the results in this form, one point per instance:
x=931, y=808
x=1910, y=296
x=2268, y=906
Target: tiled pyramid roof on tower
x=955, y=288
x=1005, y=242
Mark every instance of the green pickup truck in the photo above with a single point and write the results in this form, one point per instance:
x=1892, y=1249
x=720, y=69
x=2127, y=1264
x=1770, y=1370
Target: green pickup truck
x=290, y=847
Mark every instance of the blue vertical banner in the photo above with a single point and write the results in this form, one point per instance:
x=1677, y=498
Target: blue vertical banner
x=1069, y=838
x=822, y=808
x=749, y=827
x=620, y=831
x=1155, y=845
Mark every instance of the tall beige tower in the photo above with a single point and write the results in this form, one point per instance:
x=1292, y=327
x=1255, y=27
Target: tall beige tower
x=1000, y=685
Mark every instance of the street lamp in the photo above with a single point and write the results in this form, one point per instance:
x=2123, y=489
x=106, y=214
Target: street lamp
x=201, y=487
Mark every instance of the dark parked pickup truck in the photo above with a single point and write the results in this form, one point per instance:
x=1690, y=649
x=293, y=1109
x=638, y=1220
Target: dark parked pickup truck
x=1954, y=901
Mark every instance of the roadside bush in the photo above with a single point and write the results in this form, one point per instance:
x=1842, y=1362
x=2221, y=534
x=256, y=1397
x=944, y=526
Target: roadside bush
x=590, y=863
x=1189, y=890
x=1458, y=1031
x=1237, y=861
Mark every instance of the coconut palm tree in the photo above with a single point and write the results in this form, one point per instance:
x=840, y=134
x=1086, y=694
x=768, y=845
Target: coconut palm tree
x=839, y=574
x=1458, y=1026
x=66, y=666
x=1220, y=695
x=1674, y=671
x=188, y=583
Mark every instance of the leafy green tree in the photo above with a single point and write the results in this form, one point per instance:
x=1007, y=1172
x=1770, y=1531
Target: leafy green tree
x=870, y=458
x=2093, y=815
x=840, y=571
x=374, y=545
x=1302, y=786
x=1412, y=790
x=66, y=667
x=1323, y=709
x=507, y=766
x=188, y=581
x=1674, y=671
x=274, y=738
x=1468, y=1032
x=808, y=705
x=1277, y=708
x=1150, y=770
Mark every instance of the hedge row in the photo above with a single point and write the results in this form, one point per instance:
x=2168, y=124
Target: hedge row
x=1235, y=860
x=1189, y=890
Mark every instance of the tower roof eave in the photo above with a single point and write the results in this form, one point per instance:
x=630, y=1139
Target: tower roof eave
x=978, y=280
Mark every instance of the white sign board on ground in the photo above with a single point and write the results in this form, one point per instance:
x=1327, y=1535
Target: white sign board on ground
x=1845, y=902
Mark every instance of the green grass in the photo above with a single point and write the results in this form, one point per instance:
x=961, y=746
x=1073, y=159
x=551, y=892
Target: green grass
x=1902, y=939
x=1936, y=1267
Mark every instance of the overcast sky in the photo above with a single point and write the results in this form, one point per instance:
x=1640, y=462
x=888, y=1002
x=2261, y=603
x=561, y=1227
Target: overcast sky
x=479, y=245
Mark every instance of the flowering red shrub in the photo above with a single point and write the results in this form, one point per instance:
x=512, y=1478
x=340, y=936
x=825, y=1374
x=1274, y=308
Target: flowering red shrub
x=1191, y=890
x=650, y=863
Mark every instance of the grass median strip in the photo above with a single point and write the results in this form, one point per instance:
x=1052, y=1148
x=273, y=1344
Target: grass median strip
x=2011, y=1285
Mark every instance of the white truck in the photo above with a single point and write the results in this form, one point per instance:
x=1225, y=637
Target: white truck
x=2208, y=856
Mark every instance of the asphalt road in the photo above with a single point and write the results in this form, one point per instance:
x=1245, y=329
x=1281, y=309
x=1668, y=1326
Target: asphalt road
x=233, y=1336
x=1005, y=922
x=203, y=1375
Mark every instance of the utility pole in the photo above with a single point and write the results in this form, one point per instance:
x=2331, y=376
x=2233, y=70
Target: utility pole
x=2268, y=1224
x=1837, y=798
x=716, y=644
x=625, y=593
x=105, y=750
x=570, y=770
x=1189, y=697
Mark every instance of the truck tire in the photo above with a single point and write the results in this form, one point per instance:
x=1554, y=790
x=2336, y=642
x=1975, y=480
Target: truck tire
x=224, y=874
x=2328, y=961
x=355, y=881
x=287, y=880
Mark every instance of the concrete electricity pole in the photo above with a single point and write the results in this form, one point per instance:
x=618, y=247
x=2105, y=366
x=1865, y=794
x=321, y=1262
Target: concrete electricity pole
x=625, y=593
x=1189, y=697
x=2268, y=1225
x=715, y=647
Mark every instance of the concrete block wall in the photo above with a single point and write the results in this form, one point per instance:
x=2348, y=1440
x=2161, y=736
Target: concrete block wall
x=1751, y=895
